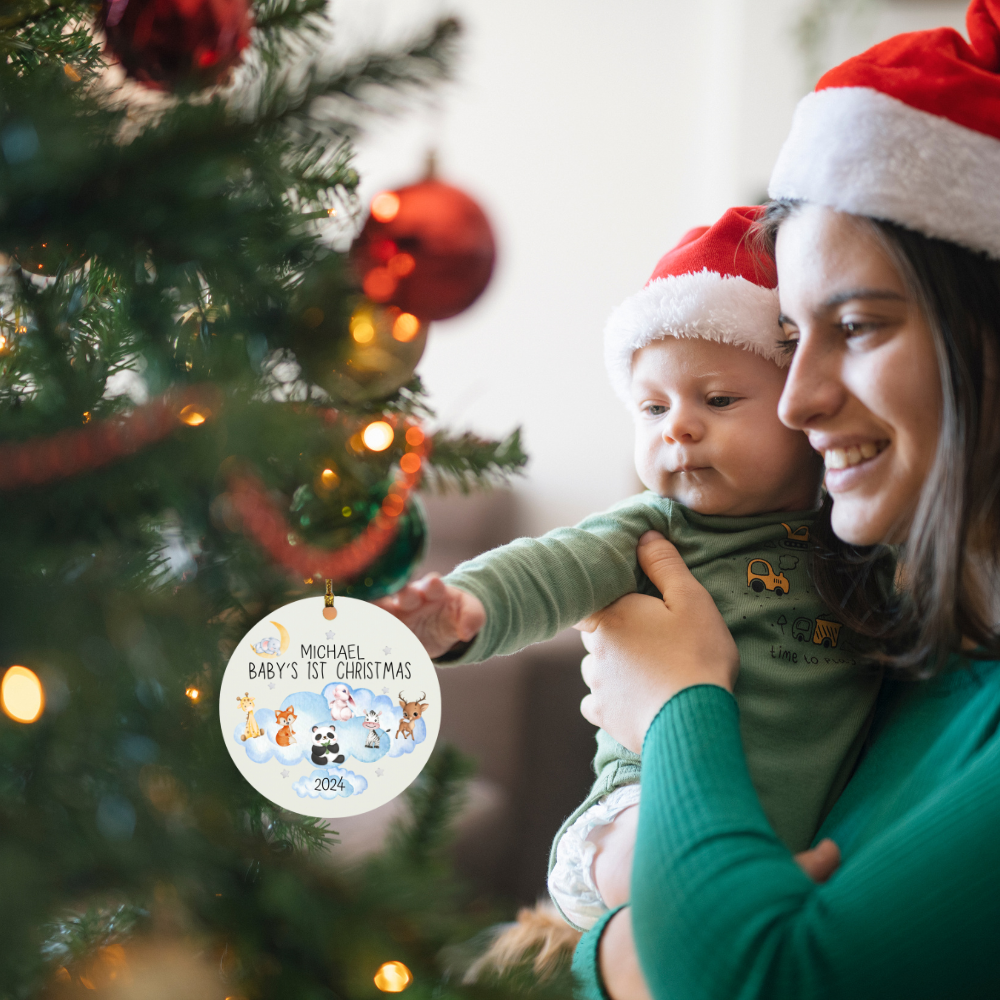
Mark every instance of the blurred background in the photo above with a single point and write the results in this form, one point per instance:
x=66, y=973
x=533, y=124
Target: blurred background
x=594, y=134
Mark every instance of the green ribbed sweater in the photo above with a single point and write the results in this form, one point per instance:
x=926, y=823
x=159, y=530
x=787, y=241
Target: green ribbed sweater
x=721, y=911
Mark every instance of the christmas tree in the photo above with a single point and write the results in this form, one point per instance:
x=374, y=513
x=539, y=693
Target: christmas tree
x=207, y=409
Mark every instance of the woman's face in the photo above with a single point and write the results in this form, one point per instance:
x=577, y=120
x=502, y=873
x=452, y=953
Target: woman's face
x=864, y=382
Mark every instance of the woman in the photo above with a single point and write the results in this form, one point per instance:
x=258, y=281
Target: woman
x=895, y=328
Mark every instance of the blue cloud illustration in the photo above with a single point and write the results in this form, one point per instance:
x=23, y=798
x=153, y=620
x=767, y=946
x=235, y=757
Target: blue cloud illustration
x=311, y=710
x=331, y=783
x=352, y=734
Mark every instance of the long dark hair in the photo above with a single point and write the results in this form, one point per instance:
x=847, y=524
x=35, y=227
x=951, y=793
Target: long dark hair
x=942, y=589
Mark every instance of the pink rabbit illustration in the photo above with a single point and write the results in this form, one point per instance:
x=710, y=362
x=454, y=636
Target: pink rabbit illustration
x=342, y=705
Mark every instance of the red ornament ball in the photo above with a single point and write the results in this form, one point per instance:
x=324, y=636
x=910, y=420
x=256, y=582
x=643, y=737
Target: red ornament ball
x=427, y=249
x=166, y=44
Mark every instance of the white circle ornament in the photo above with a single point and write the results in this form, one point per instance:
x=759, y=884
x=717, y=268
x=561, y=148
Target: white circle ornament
x=326, y=717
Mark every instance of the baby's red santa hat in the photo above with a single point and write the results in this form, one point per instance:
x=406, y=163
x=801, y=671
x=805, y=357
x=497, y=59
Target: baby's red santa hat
x=712, y=285
x=908, y=132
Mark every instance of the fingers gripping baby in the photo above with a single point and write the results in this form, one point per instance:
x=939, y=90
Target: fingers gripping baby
x=695, y=356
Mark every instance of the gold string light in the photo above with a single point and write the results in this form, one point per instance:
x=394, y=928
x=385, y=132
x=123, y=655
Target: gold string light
x=378, y=435
x=393, y=977
x=21, y=694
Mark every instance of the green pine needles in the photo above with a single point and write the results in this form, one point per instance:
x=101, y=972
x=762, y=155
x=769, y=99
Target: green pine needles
x=156, y=245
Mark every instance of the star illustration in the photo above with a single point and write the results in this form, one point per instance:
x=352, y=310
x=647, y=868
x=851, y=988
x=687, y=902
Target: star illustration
x=387, y=650
x=379, y=772
x=271, y=685
x=284, y=772
x=331, y=635
x=385, y=690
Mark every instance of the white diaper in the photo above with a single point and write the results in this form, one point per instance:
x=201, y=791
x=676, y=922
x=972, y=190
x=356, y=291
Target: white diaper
x=571, y=881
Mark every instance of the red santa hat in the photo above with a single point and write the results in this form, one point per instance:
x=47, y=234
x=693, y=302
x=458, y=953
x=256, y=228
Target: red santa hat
x=909, y=132
x=712, y=285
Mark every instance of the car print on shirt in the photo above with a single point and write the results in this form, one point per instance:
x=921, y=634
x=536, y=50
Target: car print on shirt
x=823, y=631
x=797, y=539
x=761, y=577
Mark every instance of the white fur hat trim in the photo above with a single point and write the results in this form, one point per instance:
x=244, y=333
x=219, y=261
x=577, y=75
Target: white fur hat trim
x=860, y=151
x=702, y=305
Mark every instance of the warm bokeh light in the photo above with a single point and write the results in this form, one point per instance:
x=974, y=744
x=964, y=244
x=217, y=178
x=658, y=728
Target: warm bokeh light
x=393, y=977
x=329, y=478
x=363, y=331
x=406, y=327
x=192, y=416
x=378, y=435
x=401, y=265
x=3, y=341
x=385, y=206
x=384, y=250
x=410, y=463
x=86, y=416
x=379, y=284
x=21, y=694
x=193, y=693
x=414, y=437
x=393, y=505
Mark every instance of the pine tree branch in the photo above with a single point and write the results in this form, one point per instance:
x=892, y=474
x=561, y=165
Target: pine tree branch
x=287, y=15
x=433, y=801
x=469, y=461
x=78, y=934
x=317, y=97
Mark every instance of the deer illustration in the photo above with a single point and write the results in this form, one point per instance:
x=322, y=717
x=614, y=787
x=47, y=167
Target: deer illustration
x=286, y=734
x=412, y=710
x=246, y=705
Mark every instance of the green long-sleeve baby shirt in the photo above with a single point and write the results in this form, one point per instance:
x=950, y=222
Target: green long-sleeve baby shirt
x=805, y=699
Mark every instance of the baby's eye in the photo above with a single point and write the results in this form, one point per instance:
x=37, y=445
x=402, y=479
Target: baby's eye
x=721, y=401
x=654, y=409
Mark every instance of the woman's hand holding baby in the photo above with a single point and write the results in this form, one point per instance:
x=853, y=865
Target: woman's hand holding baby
x=643, y=651
x=439, y=615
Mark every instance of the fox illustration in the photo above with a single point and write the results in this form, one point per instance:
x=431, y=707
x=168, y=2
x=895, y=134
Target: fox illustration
x=286, y=734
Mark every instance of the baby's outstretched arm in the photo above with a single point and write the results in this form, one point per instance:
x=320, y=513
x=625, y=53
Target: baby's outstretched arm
x=438, y=614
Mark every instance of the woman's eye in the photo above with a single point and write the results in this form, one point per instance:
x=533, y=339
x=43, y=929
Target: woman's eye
x=788, y=345
x=720, y=401
x=857, y=327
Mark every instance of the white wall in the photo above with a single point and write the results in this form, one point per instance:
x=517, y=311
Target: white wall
x=593, y=133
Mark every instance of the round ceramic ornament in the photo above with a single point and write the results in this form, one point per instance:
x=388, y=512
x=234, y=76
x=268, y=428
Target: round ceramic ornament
x=330, y=716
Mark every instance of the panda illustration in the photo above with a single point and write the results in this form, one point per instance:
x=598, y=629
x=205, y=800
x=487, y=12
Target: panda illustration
x=325, y=749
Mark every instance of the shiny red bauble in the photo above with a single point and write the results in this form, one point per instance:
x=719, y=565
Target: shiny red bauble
x=171, y=44
x=427, y=249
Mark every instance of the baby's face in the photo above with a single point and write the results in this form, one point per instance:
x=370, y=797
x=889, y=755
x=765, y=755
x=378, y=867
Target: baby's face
x=707, y=432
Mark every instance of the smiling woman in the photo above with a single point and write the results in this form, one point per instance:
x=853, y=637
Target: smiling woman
x=894, y=337
x=893, y=328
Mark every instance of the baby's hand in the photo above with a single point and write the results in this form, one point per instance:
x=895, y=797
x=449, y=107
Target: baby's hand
x=439, y=615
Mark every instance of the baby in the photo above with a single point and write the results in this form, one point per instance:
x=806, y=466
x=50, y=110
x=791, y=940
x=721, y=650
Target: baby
x=695, y=357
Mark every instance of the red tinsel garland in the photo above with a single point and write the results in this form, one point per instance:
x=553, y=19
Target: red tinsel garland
x=100, y=442
x=264, y=523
